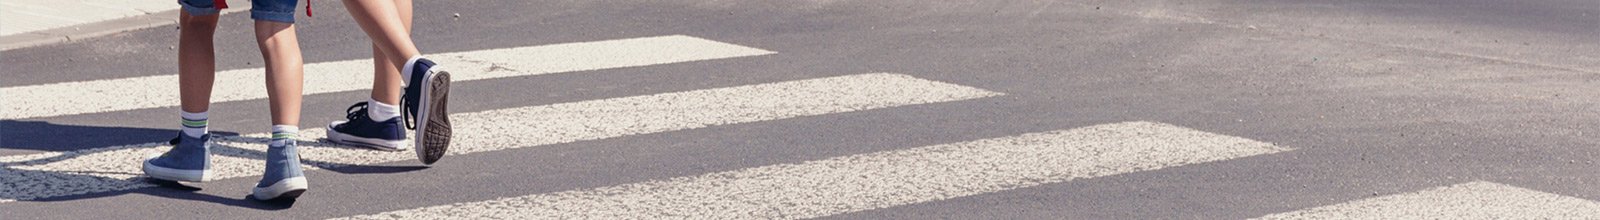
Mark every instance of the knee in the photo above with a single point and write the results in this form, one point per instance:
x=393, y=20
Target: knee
x=198, y=23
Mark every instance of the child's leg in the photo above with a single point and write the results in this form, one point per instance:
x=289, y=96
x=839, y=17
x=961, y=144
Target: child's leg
x=377, y=122
x=275, y=35
x=196, y=70
x=386, y=81
x=382, y=22
x=189, y=158
x=281, y=50
x=426, y=93
x=196, y=61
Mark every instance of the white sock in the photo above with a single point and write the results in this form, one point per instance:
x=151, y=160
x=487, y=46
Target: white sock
x=405, y=71
x=283, y=134
x=380, y=112
x=194, y=124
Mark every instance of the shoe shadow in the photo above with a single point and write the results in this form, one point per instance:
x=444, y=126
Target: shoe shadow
x=366, y=169
x=46, y=136
x=18, y=175
x=25, y=181
x=331, y=166
x=175, y=190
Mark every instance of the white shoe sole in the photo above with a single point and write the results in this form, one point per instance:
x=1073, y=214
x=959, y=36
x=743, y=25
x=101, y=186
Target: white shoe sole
x=374, y=143
x=164, y=173
x=433, y=129
x=284, y=189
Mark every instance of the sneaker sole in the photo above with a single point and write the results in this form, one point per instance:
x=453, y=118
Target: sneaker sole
x=284, y=189
x=164, y=173
x=374, y=143
x=433, y=136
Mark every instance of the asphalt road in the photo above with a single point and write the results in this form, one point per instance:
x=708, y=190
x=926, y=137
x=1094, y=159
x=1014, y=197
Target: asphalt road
x=1372, y=97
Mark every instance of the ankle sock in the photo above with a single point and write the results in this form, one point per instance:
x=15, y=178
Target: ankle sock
x=283, y=135
x=379, y=112
x=194, y=124
x=405, y=71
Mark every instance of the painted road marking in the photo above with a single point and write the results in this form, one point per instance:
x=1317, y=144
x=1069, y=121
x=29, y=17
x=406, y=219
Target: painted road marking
x=875, y=180
x=1474, y=200
x=26, y=177
x=109, y=95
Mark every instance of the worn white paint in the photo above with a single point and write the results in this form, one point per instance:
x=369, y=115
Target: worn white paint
x=1473, y=200
x=875, y=180
x=70, y=98
x=53, y=174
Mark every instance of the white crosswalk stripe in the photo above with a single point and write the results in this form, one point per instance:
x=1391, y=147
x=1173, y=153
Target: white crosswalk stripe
x=876, y=180
x=98, y=170
x=71, y=98
x=817, y=188
x=1473, y=200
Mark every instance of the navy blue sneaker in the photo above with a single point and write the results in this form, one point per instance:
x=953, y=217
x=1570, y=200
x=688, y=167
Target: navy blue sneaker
x=188, y=161
x=360, y=130
x=283, y=178
x=426, y=95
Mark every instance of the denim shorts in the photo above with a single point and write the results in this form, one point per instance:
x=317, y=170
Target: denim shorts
x=262, y=10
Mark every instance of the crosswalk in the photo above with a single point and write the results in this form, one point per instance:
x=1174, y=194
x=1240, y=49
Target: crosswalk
x=107, y=95
x=875, y=180
x=508, y=129
x=1473, y=200
x=809, y=189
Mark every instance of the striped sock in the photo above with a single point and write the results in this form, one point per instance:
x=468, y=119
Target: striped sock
x=194, y=124
x=282, y=135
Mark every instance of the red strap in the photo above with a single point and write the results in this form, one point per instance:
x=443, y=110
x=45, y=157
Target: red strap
x=223, y=4
x=308, y=8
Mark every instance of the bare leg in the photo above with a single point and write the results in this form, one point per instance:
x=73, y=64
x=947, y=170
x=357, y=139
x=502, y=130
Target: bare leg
x=381, y=21
x=196, y=61
x=187, y=159
x=386, y=73
x=281, y=50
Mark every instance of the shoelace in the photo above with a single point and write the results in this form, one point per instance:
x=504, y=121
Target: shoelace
x=406, y=115
x=357, y=111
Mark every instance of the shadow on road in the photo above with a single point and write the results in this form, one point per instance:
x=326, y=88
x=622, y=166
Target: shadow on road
x=175, y=190
x=46, y=136
x=24, y=180
x=367, y=169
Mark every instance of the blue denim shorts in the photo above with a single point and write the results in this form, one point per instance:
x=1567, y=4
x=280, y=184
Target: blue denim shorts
x=263, y=10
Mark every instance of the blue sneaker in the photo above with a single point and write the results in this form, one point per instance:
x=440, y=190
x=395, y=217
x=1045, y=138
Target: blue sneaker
x=424, y=100
x=360, y=130
x=188, y=161
x=283, y=178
